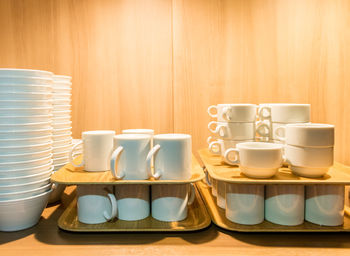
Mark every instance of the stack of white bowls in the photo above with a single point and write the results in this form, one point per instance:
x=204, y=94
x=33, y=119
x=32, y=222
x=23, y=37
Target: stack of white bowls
x=62, y=127
x=25, y=146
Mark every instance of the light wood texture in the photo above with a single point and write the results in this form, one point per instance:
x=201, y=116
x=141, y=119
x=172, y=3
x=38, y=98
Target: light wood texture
x=197, y=219
x=71, y=175
x=218, y=217
x=337, y=174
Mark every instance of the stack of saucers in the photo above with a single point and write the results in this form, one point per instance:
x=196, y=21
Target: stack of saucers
x=62, y=127
x=25, y=146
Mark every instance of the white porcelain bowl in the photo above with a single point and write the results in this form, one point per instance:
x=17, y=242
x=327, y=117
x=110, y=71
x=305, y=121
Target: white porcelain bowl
x=62, y=107
x=5, y=72
x=25, y=171
x=64, y=125
x=57, y=190
x=25, y=156
x=62, y=89
x=22, y=213
x=59, y=166
x=23, y=80
x=62, y=131
x=25, y=103
x=25, y=119
x=61, y=119
x=25, y=142
x=62, y=137
x=26, y=179
x=25, y=88
x=25, y=126
x=61, y=79
x=60, y=161
x=24, y=149
x=61, y=102
x=60, y=149
x=62, y=154
x=25, y=96
x=24, y=187
x=61, y=143
x=60, y=113
x=25, y=134
x=61, y=96
x=25, y=111
x=25, y=164
x=23, y=194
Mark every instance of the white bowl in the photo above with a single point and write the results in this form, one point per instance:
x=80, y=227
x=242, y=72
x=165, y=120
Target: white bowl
x=15, y=165
x=64, y=125
x=61, y=102
x=25, y=134
x=23, y=80
x=25, y=119
x=62, y=89
x=25, y=88
x=25, y=96
x=24, y=149
x=26, y=179
x=61, y=119
x=26, y=141
x=61, y=143
x=64, y=113
x=62, y=154
x=25, y=156
x=61, y=149
x=62, y=107
x=60, y=161
x=23, y=194
x=25, y=126
x=25, y=103
x=25, y=72
x=57, y=167
x=57, y=190
x=25, y=111
x=25, y=171
x=62, y=137
x=61, y=79
x=62, y=131
x=24, y=187
x=61, y=96
x=22, y=213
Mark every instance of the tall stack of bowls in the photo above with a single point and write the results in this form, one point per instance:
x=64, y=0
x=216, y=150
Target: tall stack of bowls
x=25, y=146
x=62, y=127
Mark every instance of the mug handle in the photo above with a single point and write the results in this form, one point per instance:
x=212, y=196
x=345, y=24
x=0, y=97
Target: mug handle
x=114, y=204
x=114, y=159
x=226, y=114
x=71, y=155
x=207, y=179
x=211, y=128
x=260, y=126
x=153, y=152
x=192, y=195
x=211, y=148
x=228, y=160
x=261, y=113
x=210, y=113
x=209, y=139
x=278, y=133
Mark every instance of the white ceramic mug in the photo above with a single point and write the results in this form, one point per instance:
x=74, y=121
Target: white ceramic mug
x=306, y=135
x=133, y=201
x=96, y=204
x=131, y=153
x=285, y=112
x=97, y=148
x=221, y=194
x=233, y=131
x=324, y=204
x=309, y=162
x=233, y=112
x=284, y=204
x=245, y=203
x=172, y=155
x=170, y=202
x=256, y=159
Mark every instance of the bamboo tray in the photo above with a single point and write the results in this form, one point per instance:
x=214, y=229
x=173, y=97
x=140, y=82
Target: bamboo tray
x=338, y=174
x=218, y=217
x=71, y=175
x=198, y=218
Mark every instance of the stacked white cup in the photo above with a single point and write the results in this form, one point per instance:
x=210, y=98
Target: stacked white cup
x=62, y=127
x=25, y=146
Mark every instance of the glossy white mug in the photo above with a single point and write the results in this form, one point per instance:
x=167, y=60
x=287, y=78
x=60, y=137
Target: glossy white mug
x=97, y=148
x=233, y=112
x=170, y=202
x=285, y=112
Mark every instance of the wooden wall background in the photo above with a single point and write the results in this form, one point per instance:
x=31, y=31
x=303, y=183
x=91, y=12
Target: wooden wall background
x=160, y=63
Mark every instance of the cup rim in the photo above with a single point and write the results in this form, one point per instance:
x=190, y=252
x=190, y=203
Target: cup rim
x=172, y=136
x=238, y=104
x=286, y=104
x=259, y=146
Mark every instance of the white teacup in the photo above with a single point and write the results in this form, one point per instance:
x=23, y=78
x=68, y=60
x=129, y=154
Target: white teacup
x=97, y=148
x=234, y=112
x=220, y=146
x=133, y=201
x=324, y=204
x=285, y=112
x=170, y=202
x=172, y=155
x=130, y=153
x=306, y=135
x=96, y=204
x=256, y=159
x=233, y=131
x=309, y=162
x=245, y=203
x=284, y=204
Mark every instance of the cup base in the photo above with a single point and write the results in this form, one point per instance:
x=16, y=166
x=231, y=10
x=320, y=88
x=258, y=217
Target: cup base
x=309, y=172
x=258, y=173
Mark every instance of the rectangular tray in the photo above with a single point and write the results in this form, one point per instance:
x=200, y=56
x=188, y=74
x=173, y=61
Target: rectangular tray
x=338, y=174
x=71, y=175
x=198, y=218
x=218, y=217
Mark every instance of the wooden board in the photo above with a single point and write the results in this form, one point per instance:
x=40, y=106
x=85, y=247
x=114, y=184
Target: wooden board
x=338, y=174
x=198, y=218
x=218, y=217
x=71, y=175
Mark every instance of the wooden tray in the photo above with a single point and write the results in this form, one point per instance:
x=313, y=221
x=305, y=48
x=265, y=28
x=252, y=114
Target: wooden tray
x=198, y=218
x=338, y=174
x=71, y=175
x=218, y=217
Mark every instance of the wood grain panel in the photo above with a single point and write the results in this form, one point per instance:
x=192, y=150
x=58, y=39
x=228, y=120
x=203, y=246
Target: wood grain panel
x=262, y=51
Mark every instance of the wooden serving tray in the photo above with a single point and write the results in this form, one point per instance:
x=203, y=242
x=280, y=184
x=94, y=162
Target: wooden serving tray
x=198, y=218
x=338, y=174
x=71, y=175
x=218, y=217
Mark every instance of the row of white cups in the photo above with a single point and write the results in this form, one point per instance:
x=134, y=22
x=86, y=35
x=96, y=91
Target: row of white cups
x=130, y=156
